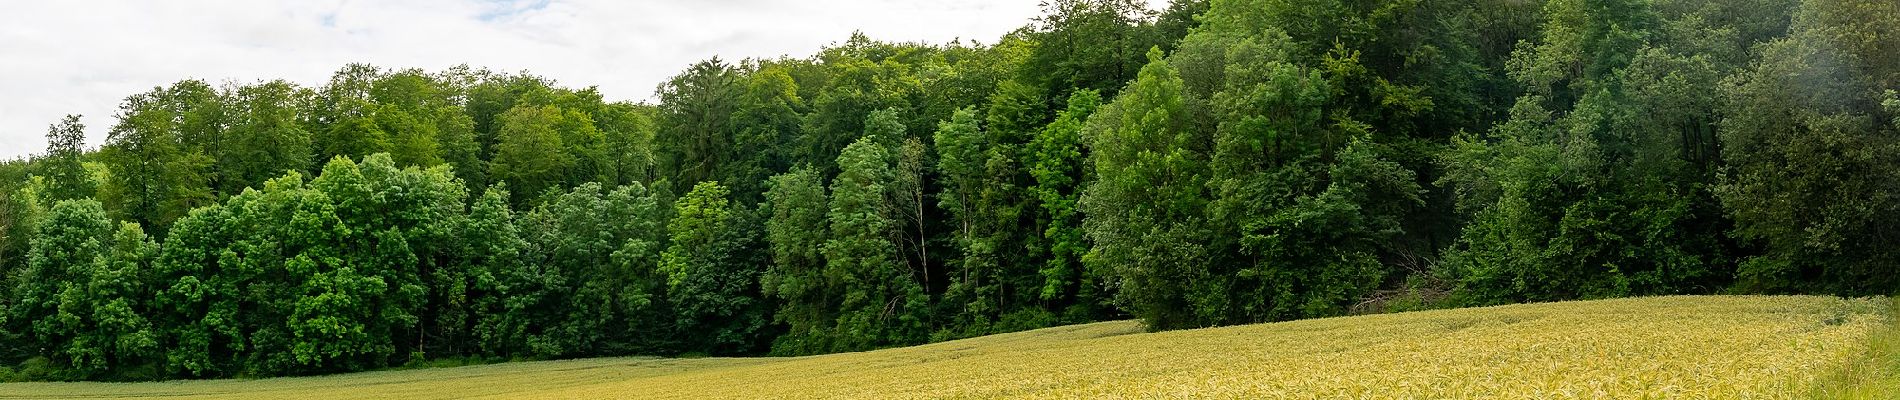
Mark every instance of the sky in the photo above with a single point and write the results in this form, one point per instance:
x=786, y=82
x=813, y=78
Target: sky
x=84, y=57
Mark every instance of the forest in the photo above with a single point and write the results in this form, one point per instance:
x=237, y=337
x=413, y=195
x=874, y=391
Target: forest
x=1212, y=163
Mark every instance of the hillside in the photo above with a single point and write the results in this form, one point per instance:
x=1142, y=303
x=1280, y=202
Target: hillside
x=1656, y=347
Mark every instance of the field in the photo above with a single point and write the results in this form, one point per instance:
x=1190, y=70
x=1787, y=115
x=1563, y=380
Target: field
x=1659, y=347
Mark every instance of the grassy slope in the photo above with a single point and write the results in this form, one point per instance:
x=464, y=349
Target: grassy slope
x=1714, y=347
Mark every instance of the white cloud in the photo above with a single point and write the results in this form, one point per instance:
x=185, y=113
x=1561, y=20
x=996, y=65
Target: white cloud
x=83, y=57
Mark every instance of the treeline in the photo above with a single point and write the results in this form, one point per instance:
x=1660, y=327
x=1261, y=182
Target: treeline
x=1208, y=164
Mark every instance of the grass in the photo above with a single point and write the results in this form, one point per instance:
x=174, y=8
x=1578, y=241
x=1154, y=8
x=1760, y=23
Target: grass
x=1728, y=347
x=1874, y=374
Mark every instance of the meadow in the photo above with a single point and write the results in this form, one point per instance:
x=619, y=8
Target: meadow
x=1729, y=347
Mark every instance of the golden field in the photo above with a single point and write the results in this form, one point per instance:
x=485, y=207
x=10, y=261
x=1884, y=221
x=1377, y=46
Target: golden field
x=1695, y=347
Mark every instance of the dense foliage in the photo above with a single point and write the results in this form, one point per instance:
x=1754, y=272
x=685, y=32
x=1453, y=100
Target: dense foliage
x=1216, y=162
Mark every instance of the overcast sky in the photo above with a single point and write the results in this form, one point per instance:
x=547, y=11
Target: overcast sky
x=83, y=57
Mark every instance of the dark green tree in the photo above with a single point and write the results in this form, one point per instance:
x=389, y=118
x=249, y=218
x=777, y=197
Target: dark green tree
x=767, y=123
x=600, y=251
x=712, y=268
x=1597, y=184
x=197, y=295
x=881, y=302
x=506, y=293
x=1812, y=177
x=1147, y=204
x=696, y=112
x=1087, y=44
x=342, y=115
x=265, y=138
x=857, y=87
x=798, y=277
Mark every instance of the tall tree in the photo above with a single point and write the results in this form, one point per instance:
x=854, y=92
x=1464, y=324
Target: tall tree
x=343, y=115
x=159, y=168
x=503, y=290
x=46, y=298
x=1147, y=201
x=628, y=144
x=960, y=146
x=797, y=276
x=881, y=302
x=197, y=298
x=1056, y=159
x=265, y=138
x=101, y=317
x=766, y=123
x=984, y=191
x=712, y=273
x=912, y=212
x=66, y=177
x=415, y=211
x=531, y=156
x=696, y=111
